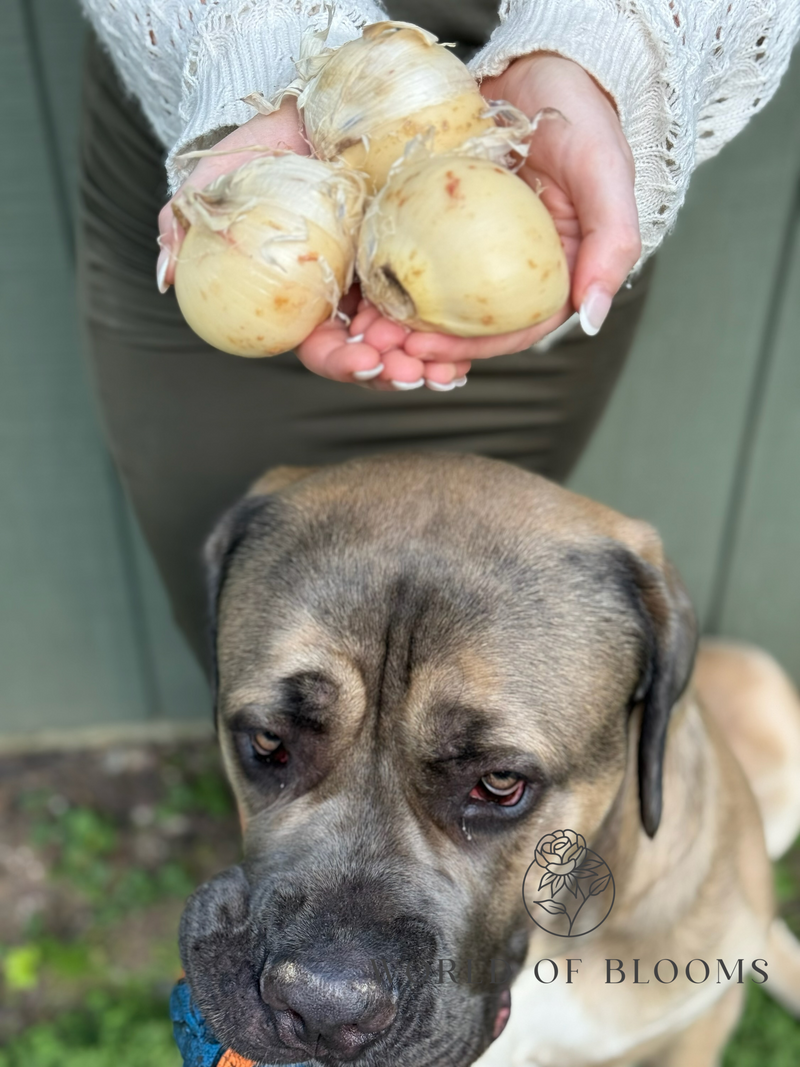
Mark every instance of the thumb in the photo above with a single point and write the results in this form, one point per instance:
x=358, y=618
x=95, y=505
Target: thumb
x=610, y=240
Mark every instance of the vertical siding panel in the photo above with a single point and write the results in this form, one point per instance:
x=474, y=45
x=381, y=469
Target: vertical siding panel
x=56, y=32
x=667, y=448
x=761, y=601
x=66, y=640
x=182, y=687
x=173, y=682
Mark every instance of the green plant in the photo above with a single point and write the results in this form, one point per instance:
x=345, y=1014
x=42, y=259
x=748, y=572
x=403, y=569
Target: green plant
x=21, y=965
x=205, y=793
x=129, y=1028
x=766, y=1036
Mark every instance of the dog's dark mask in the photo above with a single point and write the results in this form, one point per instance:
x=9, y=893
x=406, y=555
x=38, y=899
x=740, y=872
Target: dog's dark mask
x=396, y=652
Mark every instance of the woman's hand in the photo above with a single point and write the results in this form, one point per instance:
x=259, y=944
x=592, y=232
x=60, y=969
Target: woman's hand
x=581, y=165
x=584, y=170
x=330, y=350
x=372, y=350
x=281, y=130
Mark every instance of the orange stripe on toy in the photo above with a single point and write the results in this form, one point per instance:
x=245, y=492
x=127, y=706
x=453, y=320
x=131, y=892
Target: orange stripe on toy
x=233, y=1059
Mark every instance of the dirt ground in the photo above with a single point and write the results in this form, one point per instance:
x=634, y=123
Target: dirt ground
x=99, y=850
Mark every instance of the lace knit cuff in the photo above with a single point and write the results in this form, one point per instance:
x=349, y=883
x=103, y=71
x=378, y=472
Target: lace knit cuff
x=618, y=50
x=240, y=48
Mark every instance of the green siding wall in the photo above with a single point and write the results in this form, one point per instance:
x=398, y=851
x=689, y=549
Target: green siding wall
x=702, y=437
x=85, y=632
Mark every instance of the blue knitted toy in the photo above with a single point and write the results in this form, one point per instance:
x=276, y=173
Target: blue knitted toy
x=196, y=1043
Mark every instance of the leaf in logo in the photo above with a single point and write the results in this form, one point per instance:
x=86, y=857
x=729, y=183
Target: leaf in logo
x=588, y=869
x=546, y=879
x=554, y=907
x=599, y=886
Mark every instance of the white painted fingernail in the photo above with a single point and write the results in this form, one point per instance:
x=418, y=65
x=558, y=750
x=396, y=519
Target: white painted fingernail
x=365, y=375
x=554, y=337
x=405, y=386
x=355, y=339
x=595, y=307
x=161, y=270
x=439, y=387
x=459, y=383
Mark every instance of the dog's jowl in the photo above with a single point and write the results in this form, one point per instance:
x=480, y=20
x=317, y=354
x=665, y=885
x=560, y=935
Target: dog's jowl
x=424, y=666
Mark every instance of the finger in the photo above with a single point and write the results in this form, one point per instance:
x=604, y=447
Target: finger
x=443, y=377
x=326, y=352
x=610, y=241
x=445, y=348
x=363, y=319
x=404, y=372
x=170, y=239
x=384, y=334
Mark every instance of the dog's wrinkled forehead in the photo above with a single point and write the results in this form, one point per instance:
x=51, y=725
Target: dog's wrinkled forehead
x=475, y=578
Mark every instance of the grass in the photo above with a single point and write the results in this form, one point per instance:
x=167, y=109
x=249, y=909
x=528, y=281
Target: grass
x=131, y=1028
x=84, y=981
x=766, y=1036
x=128, y=1028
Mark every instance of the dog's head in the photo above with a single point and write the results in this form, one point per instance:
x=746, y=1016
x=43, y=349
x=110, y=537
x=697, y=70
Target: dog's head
x=423, y=665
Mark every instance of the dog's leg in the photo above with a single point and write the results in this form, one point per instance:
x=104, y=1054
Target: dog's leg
x=702, y=1043
x=758, y=708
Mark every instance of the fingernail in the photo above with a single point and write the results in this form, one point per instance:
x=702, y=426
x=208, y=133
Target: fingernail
x=365, y=375
x=594, y=309
x=355, y=339
x=439, y=387
x=161, y=270
x=405, y=386
x=459, y=383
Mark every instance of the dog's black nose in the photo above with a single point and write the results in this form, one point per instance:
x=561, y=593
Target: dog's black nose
x=333, y=1002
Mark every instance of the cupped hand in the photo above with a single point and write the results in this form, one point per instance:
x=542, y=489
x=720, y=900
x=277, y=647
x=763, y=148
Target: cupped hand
x=583, y=169
x=581, y=166
x=371, y=351
x=377, y=357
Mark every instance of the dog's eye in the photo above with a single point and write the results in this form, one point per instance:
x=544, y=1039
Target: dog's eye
x=266, y=746
x=500, y=787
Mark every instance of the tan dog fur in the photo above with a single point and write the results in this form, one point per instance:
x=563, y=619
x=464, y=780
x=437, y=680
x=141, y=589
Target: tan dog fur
x=699, y=889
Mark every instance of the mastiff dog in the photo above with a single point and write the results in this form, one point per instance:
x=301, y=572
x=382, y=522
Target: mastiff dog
x=455, y=702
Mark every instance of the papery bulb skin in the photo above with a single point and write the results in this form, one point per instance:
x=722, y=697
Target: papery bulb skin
x=461, y=245
x=268, y=253
x=372, y=95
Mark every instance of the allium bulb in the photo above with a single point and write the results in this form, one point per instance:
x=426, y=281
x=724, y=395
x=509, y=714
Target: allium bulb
x=268, y=252
x=459, y=244
x=362, y=102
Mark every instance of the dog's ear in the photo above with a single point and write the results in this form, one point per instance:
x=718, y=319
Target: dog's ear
x=257, y=508
x=670, y=631
x=218, y=551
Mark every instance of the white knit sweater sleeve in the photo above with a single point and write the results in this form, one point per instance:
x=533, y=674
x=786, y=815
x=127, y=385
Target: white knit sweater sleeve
x=189, y=62
x=686, y=75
